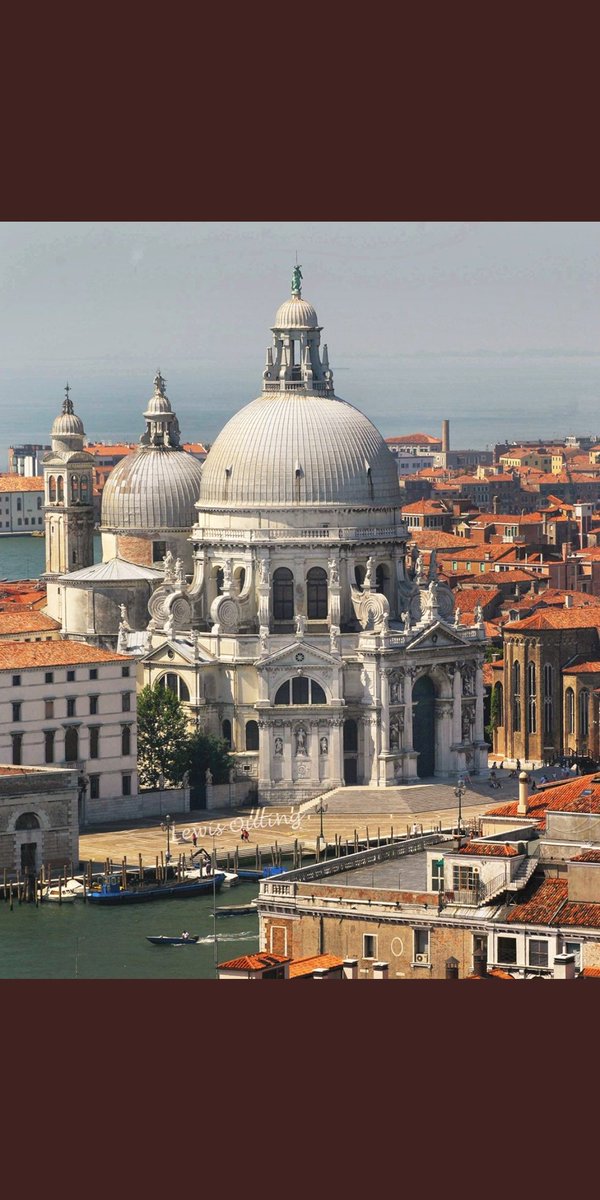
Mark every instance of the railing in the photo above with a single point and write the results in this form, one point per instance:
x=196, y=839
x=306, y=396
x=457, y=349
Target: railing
x=329, y=533
x=297, y=385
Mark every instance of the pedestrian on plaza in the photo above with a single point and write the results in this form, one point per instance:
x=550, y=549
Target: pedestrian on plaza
x=194, y=839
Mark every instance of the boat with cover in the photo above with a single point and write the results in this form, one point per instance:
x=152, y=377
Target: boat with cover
x=110, y=890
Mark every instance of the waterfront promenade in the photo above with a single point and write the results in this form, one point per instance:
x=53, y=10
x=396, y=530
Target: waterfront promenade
x=347, y=809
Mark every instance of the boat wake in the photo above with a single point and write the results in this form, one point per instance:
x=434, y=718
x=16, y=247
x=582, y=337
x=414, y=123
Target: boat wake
x=245, y=936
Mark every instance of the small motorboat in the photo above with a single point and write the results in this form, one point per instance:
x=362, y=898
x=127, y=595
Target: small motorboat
x=184, y=939
x=61, y=895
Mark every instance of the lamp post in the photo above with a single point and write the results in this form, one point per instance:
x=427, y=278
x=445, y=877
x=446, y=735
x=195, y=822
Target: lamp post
x=168, y=827
x=459, y=792
x=321, y=808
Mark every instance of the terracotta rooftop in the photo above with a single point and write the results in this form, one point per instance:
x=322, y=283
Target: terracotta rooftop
x=414, y=439
x=21, y=483
x=592, y=856
x=426, y=506
x=436, y=539
x=588, y=666
x=546, y=901
x=300, y=967
x=581, y=794
x=53, y=654
x=491, y=973
x=489, y=850
x=26, y=621
x=590, y=973
x=254, y=962
x=558, y=618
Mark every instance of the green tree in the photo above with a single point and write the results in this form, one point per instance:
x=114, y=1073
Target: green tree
x=203, y=751
x=162, y=736
x=495, y=712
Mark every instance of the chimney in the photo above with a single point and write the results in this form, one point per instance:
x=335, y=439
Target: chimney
x=495, y=503
x=522, y=806
x=451, y=968
x=564, y=966
x=320, y=973
x=380, y=970
x=445, y=437
x=350, y=968
x=480, y=963
x=568, y=601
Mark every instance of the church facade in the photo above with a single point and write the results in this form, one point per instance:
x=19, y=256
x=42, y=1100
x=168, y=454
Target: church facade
x=308, y=638
x=272, y=588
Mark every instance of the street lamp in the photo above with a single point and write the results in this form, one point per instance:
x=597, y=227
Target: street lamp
x=321, y=808
x=168, y=827
x=459, y=792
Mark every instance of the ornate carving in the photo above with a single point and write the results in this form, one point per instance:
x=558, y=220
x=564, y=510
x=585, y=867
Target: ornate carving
x=323, y=745
x=334, y=576
x=225, y=612
x=278, y=746
x=300, y=736
x=370, y=608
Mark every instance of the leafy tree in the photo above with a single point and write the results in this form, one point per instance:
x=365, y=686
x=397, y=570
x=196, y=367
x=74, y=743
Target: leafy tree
x=494, y=713
x=162, y=736
x=203, y=751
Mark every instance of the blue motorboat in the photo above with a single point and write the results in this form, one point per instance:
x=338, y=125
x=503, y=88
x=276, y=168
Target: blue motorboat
x=110, y=890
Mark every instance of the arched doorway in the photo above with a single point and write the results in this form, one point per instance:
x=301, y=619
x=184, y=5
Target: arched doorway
x=424, y=725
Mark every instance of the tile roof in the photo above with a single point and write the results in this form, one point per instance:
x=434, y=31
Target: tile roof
x=436, y=539
x=300, y=967
x=254, y=962
x=26, y=621
x=583, y=668
x=53, y=654
x=414, y=439
x=540, y=909
x=426, y=506
x=590, y=973
x=578, y=913
x=489, y=850
x=563, y=618
x=557, y=797
x=592, y=856
x=21, y=483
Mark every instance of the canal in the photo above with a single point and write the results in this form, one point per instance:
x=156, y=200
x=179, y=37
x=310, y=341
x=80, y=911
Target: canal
x=79, y=941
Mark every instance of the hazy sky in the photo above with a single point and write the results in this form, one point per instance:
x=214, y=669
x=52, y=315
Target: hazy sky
x=103, y=305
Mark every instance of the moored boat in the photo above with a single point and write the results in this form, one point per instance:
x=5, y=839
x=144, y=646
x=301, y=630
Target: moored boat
x=62, y=895
x=110, y=890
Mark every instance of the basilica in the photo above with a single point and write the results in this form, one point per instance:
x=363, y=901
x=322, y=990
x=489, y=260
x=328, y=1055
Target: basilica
x=272, y=588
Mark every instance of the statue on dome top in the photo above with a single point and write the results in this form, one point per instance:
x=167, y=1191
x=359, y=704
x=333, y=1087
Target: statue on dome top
x=159, y=383
x=296, y=281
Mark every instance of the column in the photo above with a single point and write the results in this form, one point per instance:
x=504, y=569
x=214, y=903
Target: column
x=313, y=750
x=385, y=711
x=457, y=700
x=336, y=751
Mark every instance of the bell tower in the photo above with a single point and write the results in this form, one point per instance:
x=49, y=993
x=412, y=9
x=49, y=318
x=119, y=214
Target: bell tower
x=68, y=502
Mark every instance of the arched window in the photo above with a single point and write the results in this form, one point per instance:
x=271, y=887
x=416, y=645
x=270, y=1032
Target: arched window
x=516, y=672
x=251, y=735
x=359, y=575
x=241, y=579
x=548, y=714
x=350, y=737
x=84, y=489
x=74, y=487
x=126, y=740
x=570, y=710
x=584, y=699
x=300, y=690
x=71, y=744
x=176, y=684
x=220, y=579
x=316, y=594
x=60, y=485
x=226, y=732
x=531, y=699
x=27, y=821
x=500, y=703
x=283, y=595
x=52, y=489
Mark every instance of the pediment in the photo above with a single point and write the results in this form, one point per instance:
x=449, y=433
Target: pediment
x=171, y=652
x=437, y=636
x=287, y=656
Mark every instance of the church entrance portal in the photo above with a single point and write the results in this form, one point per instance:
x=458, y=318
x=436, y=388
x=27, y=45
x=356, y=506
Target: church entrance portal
x=424, y=725
x=350, y=737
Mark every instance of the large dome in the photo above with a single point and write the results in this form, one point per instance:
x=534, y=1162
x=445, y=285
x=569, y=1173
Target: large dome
x=290, y=448
x=153, y=488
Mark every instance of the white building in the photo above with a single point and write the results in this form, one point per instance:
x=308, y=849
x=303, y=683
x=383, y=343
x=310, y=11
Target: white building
x=308, y=638
x=21, y=504
x=72, y=705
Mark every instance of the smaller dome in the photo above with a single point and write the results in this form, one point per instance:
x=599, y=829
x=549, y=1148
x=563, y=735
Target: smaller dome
x=296, y=313
x=67, y=423
x=158, y=404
